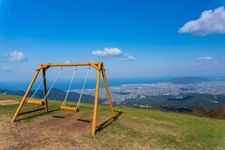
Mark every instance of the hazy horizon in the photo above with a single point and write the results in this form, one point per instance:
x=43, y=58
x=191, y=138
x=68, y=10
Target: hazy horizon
x=78, y=82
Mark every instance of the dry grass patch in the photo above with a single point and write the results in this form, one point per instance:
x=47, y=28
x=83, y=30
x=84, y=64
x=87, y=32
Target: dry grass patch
x=8, y=102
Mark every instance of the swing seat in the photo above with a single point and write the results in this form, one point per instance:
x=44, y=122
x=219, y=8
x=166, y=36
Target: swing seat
x=35, y=102
x=69, y=108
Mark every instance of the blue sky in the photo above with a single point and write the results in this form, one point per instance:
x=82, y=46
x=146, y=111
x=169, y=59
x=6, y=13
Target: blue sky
x=133, y=38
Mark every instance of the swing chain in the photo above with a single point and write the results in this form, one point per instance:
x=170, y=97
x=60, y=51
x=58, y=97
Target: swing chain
x=70, y=84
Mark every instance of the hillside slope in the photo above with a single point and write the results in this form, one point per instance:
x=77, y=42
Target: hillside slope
x=134, y=129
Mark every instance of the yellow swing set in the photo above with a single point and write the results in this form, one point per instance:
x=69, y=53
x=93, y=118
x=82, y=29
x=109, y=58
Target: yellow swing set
x=98, y=66
x=76, y=108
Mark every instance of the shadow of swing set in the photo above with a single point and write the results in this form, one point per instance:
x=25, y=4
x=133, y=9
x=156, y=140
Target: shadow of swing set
x=98, y=66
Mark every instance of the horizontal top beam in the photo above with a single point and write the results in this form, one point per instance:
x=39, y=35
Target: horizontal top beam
x=96, y=65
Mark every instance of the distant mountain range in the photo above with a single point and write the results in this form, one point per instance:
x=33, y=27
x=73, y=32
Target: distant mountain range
x=188, y=80
x=176, y=94
x=56, y=94
x=185, y=102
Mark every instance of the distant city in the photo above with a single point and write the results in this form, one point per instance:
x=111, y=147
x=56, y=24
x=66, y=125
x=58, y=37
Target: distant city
x=169, y=93
x=133, y=91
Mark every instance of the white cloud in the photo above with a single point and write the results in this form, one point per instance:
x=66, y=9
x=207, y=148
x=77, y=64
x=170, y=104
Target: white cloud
x=130, y=57
x=6, y=68
x=113, y=52
x=210, y=22
x=67, y=62
x=16, y=56
x=205, y=58
x=107, y=52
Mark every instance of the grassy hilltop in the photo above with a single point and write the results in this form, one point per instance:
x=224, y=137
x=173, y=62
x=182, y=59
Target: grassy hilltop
x=134, y=129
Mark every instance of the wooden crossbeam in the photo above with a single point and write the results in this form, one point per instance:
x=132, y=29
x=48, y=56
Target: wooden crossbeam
x=105, y=121
x=31, y=111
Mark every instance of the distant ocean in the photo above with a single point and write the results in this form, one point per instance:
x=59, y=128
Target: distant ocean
x=63, y=84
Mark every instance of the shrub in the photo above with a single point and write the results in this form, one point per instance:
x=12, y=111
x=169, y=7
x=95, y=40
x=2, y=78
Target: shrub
x=216, y=112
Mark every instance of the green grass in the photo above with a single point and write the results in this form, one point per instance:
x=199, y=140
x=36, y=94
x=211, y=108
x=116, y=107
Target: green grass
x=149, y=129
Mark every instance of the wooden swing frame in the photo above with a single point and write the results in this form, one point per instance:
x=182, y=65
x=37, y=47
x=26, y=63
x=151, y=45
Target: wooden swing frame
x=100, y=72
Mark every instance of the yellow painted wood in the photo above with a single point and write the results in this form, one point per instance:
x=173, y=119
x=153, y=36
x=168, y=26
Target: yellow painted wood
x=105, y=121
x=35, y=102
x=107, y=91
x=93, y=64
x=69, y=108
x=25, y=96
x=30, y=111
x=96, y=104
x=45, y=90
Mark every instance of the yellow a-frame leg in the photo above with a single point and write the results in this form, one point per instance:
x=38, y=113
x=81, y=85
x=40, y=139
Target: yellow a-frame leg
x=94, y=126
x=17, y=113
x=45, y=89
x=96, y=104
x=25, y=95
x=107, y=91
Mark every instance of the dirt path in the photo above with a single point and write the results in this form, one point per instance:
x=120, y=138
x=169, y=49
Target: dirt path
x=51, y=132
x=8, y=102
